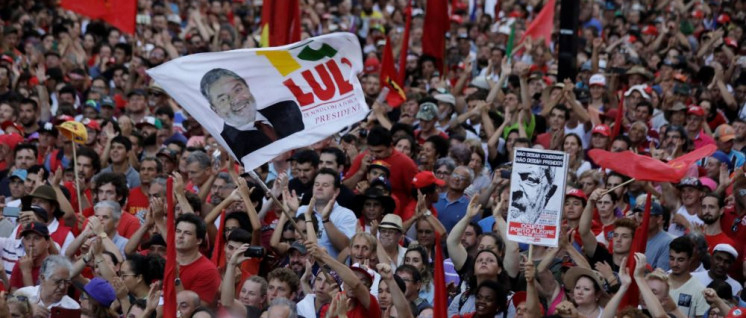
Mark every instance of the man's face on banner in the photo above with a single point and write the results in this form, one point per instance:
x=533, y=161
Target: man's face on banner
x=232, y=100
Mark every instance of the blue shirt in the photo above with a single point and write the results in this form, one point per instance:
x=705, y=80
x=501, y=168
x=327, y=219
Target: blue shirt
x=737, y=158
x=449, y=213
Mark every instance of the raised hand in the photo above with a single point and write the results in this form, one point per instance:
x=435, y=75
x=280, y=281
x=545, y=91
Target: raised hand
x=327, y=211
x=474, y=207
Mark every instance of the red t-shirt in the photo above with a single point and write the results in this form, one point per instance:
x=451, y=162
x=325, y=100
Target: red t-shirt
x=373, y=310
x=74, y=195
x=128, y=223
x=137, y=201
x=403, y=169
x=16, y=276
x=201, y=277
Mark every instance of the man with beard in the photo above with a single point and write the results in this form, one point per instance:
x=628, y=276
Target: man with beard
x=535, y=190
x=136, y=107
x=150, y=168
x=297, y=257
x=247, y=128
x=710, y=214
x=29, y=116
x=89, y=165
x=558, y=116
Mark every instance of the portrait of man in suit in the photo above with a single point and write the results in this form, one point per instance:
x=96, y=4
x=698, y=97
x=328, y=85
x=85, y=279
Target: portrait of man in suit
x=247, y=128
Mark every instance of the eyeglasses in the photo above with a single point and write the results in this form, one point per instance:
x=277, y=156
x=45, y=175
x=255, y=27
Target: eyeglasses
x=459, y=177
x=441, y=173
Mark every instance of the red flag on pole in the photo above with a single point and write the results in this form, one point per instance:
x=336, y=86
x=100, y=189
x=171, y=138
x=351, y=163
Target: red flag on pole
x=389, y=77
x=440, y=299
x=647, y=168
x=169, y=290
x=618, y=122
x=405, y=44
x=218, y=253
x=120, y=13
x=434, y=31
x=542, y=25
x=639, y=245
x=280, y=22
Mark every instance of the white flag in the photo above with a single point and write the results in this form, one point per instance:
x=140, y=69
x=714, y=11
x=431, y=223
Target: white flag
x=259, y=103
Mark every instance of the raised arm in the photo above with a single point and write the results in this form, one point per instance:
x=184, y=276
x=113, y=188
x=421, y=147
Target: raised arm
x=353, y=286
x=584, y=228
x=613, y=304
x=401, y=303
x=512, y=257
x=456, y=251
x=650, y=300
x=227, y=288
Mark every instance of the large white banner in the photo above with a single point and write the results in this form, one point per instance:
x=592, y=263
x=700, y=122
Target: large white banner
x=537, y=194
x=259, y=103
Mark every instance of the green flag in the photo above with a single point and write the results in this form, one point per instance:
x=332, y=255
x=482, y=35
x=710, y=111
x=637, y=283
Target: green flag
x=511, y=39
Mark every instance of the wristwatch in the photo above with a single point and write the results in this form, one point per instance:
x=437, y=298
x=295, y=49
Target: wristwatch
x=428, y=213
x=177, y=281
x=103, y=235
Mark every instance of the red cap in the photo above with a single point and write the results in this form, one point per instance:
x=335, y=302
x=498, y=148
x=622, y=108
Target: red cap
x=695, y=110
x=457, y=19
x=9, y=123
x=736, y=312
x=425, y=178
x=730, y=42
x=650, y=30
x=12, y=140
x=698, y=14
x=611, y=113
x=520, y=297
x=577, y=193
x=372, y=65
x=92, y=124
x=601, y=129
x=7, y=58
x=723, y=19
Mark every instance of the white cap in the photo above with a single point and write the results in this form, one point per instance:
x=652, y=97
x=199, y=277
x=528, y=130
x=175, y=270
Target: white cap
x=639, y=88
x=480, y=82
x=727, y=248
x=445, y=98
x=597, y=79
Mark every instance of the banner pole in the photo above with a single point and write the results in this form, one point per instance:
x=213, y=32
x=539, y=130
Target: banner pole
x=269, y=194
x=77, y=179
x=619, y=186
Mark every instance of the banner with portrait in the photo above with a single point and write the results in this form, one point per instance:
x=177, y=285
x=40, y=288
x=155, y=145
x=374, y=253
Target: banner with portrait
x=537, y=195
x=259, y=103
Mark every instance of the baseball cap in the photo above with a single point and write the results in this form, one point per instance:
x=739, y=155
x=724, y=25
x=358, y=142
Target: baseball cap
x=650, y=30
x=368, y=272
x=168, y=153
x=20, y=174
x=100, y=290
x=690, y=182
x=577, y=193
x=150, y=120
x=678, y=106
x=298, y=246
x=655, y=207
x=107, y=101
x=638, y=88
x=11, y=140
x=695, y=110
x=425, y=178
x=445, y=98
x=726, y=248
x=428, y=111
x=597, y=79
x=382, y=181
x=391, y=221
x=480, y=82
x=601, y=129
x=709, y=183
x=36, y=227
x=10, y=123
x=93, y=104
x=92, y=124
x=730, y=42
x=725, y=133
x=138, y=91
x=372, y=64
x=723, y=158
x=736, y=312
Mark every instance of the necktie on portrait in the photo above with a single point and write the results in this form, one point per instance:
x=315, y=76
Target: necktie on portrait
x=267, y=130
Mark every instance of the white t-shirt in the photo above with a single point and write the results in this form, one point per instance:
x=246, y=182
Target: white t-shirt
x=307, y=307
x=677, y=230
x=32, y=292
x=689, y=298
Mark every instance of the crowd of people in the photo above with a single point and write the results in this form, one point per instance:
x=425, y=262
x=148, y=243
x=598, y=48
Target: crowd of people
x=369, y=208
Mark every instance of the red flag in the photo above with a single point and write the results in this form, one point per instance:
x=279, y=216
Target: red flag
x=646, y=168
x=434, y=31
x=405, y=44
x=542, y=25
x=218, y=253
x=618, y=119
x=440, y=298
x=639, y=245
x=169, y=290
x=280, y=22
x=120, y=13
x=389, y=77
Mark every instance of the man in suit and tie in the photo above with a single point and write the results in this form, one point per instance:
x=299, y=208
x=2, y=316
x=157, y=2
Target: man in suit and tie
x=247, y=129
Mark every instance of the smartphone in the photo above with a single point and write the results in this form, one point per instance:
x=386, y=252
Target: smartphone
x=505, y=174
x=254, y=251
x=11, y=211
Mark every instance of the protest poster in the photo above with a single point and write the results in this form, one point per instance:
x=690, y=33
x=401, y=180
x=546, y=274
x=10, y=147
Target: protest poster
x=537, y=193
x=259, y=103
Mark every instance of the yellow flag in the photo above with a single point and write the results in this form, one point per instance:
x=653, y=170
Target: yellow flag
x=74, y=130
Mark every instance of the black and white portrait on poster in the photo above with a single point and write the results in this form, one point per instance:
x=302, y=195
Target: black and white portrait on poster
x=537, y=189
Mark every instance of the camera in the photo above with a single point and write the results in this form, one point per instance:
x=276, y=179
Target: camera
x=255, y=251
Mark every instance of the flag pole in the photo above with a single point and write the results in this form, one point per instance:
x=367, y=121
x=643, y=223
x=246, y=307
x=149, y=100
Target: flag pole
x=285, y=209
x=619, y=186
x=77, y=178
